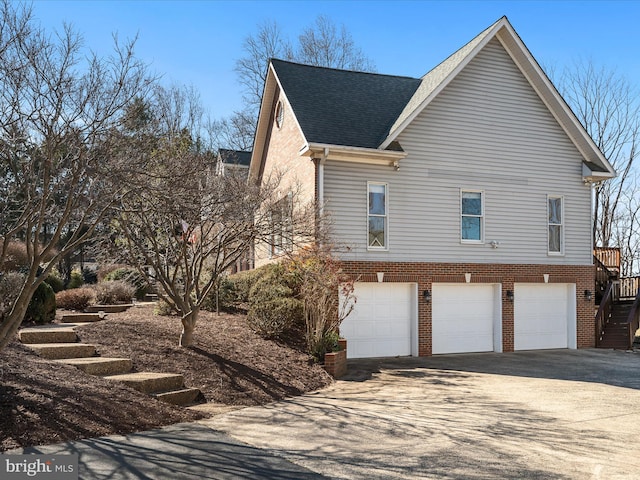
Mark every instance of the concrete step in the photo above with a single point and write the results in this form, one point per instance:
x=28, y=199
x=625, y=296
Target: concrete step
x=56, y=351
x=47, y=335
x=150, y=382
x=182, y=397
x=108, y=308
x=100, y=365
x=81, y=317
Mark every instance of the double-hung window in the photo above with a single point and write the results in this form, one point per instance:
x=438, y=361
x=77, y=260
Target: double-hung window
x=555, y=207
x=472, y=216
x=377, y=217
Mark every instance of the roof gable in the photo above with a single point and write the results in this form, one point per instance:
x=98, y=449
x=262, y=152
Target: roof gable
x=360, y=110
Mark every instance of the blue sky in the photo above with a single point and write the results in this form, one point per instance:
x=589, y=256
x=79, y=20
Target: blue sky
x=197, y=42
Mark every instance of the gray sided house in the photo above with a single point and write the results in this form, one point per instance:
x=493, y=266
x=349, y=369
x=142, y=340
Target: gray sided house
x=464, y=197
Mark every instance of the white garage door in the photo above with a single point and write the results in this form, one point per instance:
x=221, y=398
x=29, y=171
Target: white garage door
x=383, y=322
x=466, y=318
x=544, y=316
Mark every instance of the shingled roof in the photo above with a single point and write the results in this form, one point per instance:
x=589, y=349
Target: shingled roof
x=343, y=107
x=235, y=157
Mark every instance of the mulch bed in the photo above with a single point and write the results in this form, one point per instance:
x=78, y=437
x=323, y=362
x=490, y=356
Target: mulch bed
x=45, y=402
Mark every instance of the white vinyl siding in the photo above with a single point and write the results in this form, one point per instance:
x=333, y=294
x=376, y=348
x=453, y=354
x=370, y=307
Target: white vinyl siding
x=486, y=131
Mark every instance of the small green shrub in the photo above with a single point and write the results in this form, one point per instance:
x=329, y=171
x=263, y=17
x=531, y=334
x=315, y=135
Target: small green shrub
x=131, y=276
x=227, y=297
x=76, y=280
x=113, y=292
x=55, y=282
x=75, y=299
x=243, y=281
x=273, y=310
x=42, y=307
x=162, y=308
x=10, y=286
x=89, y=276
x=105, y=270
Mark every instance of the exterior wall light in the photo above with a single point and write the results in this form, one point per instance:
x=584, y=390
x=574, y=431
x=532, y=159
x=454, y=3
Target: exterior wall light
x=510, y=295
x=588, y=295
x=426, y=295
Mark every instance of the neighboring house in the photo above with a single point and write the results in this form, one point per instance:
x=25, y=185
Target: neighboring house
x=236, y=162
x=232, y=161
x=464, y=197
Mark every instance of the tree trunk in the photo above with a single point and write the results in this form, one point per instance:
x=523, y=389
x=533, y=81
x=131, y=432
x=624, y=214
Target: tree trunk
x=188, y=325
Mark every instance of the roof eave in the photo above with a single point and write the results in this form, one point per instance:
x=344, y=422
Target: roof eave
x=371, y=156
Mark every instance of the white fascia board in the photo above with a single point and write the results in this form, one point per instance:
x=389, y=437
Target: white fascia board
x=371, y=156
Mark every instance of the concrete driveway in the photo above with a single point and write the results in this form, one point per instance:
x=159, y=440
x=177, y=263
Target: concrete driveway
x=526, y=415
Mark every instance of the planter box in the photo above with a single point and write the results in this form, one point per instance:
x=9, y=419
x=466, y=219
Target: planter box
x=335, y=363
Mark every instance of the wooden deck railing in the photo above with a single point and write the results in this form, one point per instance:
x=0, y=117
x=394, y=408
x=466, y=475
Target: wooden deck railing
x=604, y=312
x=609, y=256
x=634, y=319
x=629, y=288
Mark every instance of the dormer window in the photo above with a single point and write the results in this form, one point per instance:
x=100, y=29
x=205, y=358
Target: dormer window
x=279, y=114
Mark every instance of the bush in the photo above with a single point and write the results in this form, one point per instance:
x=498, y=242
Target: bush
x=273, y=310
x=227, y=297
x=243, y=281
x=113, y=292
x=15, y=257
x=164, y=309
x=76, y=280
x=105, y=270
x=75, y=299
x=55, y=282
x=89, y=276
x=10, y=286
x=42, y=307
x=133, y=277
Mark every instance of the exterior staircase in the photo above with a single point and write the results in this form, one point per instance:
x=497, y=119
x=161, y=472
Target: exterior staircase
x=616, y=333
x=59, y=343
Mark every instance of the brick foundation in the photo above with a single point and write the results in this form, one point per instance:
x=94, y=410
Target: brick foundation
x=426, y=274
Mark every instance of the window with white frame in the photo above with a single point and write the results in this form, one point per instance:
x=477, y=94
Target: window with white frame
x=555, y=207
x=472, y=216
x=377, y=218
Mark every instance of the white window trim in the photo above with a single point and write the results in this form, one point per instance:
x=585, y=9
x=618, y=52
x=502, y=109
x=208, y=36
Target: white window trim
x=562, y=226
x=481, y=216
x=386, y=217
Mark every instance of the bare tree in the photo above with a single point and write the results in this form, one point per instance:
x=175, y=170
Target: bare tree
x=607, y=106
x=235, y=132
x=58, y=105
x=322, y=44
x=178, y=223
x=267, y=43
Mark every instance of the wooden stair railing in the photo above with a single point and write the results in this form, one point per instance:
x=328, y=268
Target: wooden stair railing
x=604, y=312
x=634, y=319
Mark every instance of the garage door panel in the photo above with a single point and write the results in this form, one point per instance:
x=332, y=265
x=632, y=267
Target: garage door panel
x=463, y=318
x=544, y=315
x=382, y=320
